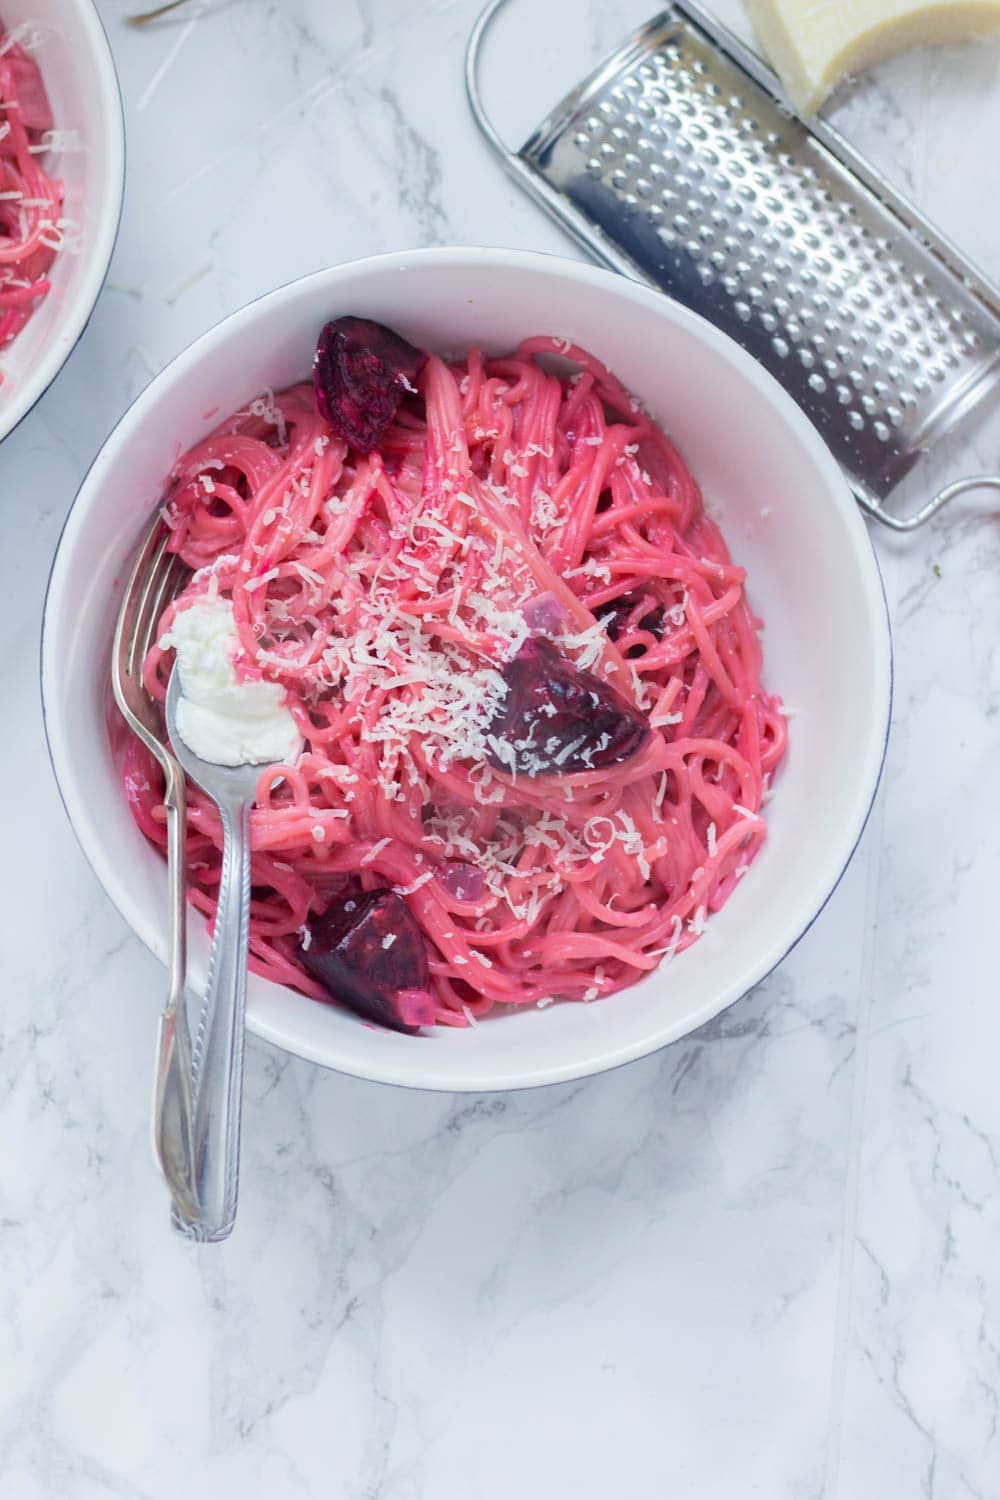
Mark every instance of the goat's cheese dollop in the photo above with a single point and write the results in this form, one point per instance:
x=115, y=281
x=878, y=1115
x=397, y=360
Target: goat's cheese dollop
x=223, y=719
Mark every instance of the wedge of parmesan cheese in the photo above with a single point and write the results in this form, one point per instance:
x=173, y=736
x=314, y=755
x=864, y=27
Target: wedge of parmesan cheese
x=814, y=44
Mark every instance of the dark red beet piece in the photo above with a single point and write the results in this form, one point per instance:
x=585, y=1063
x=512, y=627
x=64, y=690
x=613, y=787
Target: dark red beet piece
x=558, y=718
x=369, y=953
x=361, y=372
x=615, y=618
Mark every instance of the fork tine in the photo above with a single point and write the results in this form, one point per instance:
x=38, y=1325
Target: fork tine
x=136, y=589
x=171, y=578
x=125, y=625
x=153, y=569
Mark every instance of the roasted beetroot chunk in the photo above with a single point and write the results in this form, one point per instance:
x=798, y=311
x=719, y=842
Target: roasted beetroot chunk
x=558, y=718
x=361, y=372
x=367, y=951
x=618, y=616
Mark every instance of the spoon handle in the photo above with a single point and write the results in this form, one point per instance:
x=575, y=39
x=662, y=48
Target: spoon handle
x=218, y=1053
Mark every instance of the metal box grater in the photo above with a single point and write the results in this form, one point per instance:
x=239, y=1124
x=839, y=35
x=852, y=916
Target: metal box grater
x=677, y=163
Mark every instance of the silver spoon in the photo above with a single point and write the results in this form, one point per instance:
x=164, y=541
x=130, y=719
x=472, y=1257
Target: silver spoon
x=218, y=1048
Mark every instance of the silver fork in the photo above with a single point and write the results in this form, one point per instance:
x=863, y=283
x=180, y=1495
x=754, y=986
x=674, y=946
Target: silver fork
x=157, y=576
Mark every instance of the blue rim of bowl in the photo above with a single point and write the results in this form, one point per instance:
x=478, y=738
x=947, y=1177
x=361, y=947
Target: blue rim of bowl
x=263, y=1032
x=112, y=245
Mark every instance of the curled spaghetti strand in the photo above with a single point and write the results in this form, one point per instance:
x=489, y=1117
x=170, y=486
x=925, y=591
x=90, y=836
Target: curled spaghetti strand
x=386, y=592
x=32, y=227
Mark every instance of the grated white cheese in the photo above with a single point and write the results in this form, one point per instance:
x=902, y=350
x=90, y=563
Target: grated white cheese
x=375, y=850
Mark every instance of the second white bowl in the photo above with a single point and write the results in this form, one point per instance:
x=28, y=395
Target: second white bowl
x=79, y=75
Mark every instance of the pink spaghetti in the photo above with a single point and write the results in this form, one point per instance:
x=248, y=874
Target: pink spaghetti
x=509, y=515
x=31, y=224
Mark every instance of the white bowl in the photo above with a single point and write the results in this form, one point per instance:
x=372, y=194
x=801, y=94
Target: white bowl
x=75, y=60
x=786, y=511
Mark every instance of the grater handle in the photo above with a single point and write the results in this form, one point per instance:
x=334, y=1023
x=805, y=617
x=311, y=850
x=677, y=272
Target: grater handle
x=474, y=84
x=937, y=502
x=587, y=234
x=582, y=230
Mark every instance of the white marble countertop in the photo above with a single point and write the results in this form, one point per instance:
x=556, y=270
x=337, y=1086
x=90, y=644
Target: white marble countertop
x=762, y=1263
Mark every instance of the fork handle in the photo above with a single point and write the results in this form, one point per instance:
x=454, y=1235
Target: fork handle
x=218, y=1056
x=173, y=1108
